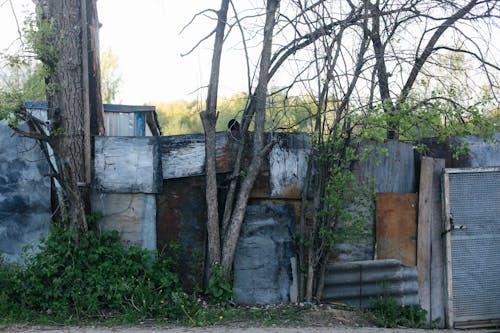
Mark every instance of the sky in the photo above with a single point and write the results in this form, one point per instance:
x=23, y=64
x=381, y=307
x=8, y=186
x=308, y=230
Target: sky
x=145, y=36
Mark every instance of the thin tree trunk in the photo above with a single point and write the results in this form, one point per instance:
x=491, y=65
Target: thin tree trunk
x=302, y=226
x=381, y=69
x=259, y=151
x=321, y=276
x=311, y=252
x=209, y=120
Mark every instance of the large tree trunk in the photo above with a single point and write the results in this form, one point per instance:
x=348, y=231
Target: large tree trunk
x=68, y=95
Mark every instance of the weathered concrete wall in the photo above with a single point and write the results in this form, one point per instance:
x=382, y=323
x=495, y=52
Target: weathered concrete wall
x=288, y=165
x=127, y=165
x=481, y=153
x=184, y=155
x=132, y=215
x=263, y=262
x=25, y=209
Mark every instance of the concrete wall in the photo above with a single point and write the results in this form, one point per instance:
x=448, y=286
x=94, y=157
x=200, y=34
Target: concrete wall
x=132, y=215
x=263, y=271
x=25, y=209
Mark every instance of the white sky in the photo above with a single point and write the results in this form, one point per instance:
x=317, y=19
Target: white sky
x=144, y=35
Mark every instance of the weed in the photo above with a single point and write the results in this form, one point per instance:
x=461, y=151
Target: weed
x=219, y=290
x=98, y=279
x=387, y=312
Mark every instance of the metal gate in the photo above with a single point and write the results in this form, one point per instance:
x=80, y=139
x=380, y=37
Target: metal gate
x=472, y=238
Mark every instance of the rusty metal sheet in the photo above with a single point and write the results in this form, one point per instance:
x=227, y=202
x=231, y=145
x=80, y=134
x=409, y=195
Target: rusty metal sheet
x=261, y=188
x=396, y=227
x=181, y=218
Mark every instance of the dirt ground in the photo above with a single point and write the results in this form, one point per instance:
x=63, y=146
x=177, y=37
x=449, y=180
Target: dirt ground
x=314, y=320
x=225, y=329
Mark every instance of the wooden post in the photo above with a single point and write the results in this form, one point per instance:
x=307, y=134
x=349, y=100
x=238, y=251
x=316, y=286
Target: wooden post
x=430, y=255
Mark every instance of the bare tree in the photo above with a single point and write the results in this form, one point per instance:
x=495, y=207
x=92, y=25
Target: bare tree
x=357, y=61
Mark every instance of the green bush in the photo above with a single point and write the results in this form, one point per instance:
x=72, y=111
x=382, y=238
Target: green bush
x=387, y=312
x=219, y=290
x=96, y=279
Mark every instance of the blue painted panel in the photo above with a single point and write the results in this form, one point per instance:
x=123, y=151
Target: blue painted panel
x=139, y=124
x=35, y=104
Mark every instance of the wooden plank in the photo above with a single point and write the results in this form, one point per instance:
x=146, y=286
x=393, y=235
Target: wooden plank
x=127, y=165
x=429, y=250
x=184, y=155
x=473, y=170
x=424, y=234
x=448, y=265
x=396, y=227
x=437, y=311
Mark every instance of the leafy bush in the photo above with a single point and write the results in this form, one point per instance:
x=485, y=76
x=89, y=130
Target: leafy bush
x=388, y=313
x=219, y=290
x=96, y=279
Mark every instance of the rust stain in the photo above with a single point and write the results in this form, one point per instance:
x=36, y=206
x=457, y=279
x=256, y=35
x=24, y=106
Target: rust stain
x=261, y=188
x=181, y=218
x=291, y=192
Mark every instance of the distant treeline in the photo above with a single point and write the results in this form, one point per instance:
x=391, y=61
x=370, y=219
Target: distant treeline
x=291, y=114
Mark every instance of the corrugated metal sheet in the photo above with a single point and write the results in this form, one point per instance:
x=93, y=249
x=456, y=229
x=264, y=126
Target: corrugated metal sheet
x=355, y=283
x=473, y=235
x=120, y=120
x=392, y=172
x=120, y=123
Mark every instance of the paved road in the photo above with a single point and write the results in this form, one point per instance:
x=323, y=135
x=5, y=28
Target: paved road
x=222, y=329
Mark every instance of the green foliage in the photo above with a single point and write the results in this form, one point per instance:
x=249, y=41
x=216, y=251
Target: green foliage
x=40, y=35
x=283, y=114
x=345, y=209
x=110, y=78
x=28, y=69
x=219, y=290
x=387, y=312
x=96, y=279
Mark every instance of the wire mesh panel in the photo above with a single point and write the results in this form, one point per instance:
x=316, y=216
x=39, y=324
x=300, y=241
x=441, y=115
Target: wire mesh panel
x=473, y=234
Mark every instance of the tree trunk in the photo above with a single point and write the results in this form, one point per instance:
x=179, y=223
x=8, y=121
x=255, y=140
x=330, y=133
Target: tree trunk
x=259, y=151
x=68, y=97
x=381, y=69
x=209, y=120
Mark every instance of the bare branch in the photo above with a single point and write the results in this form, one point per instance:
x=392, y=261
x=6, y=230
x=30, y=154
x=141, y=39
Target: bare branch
x=198, y=44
